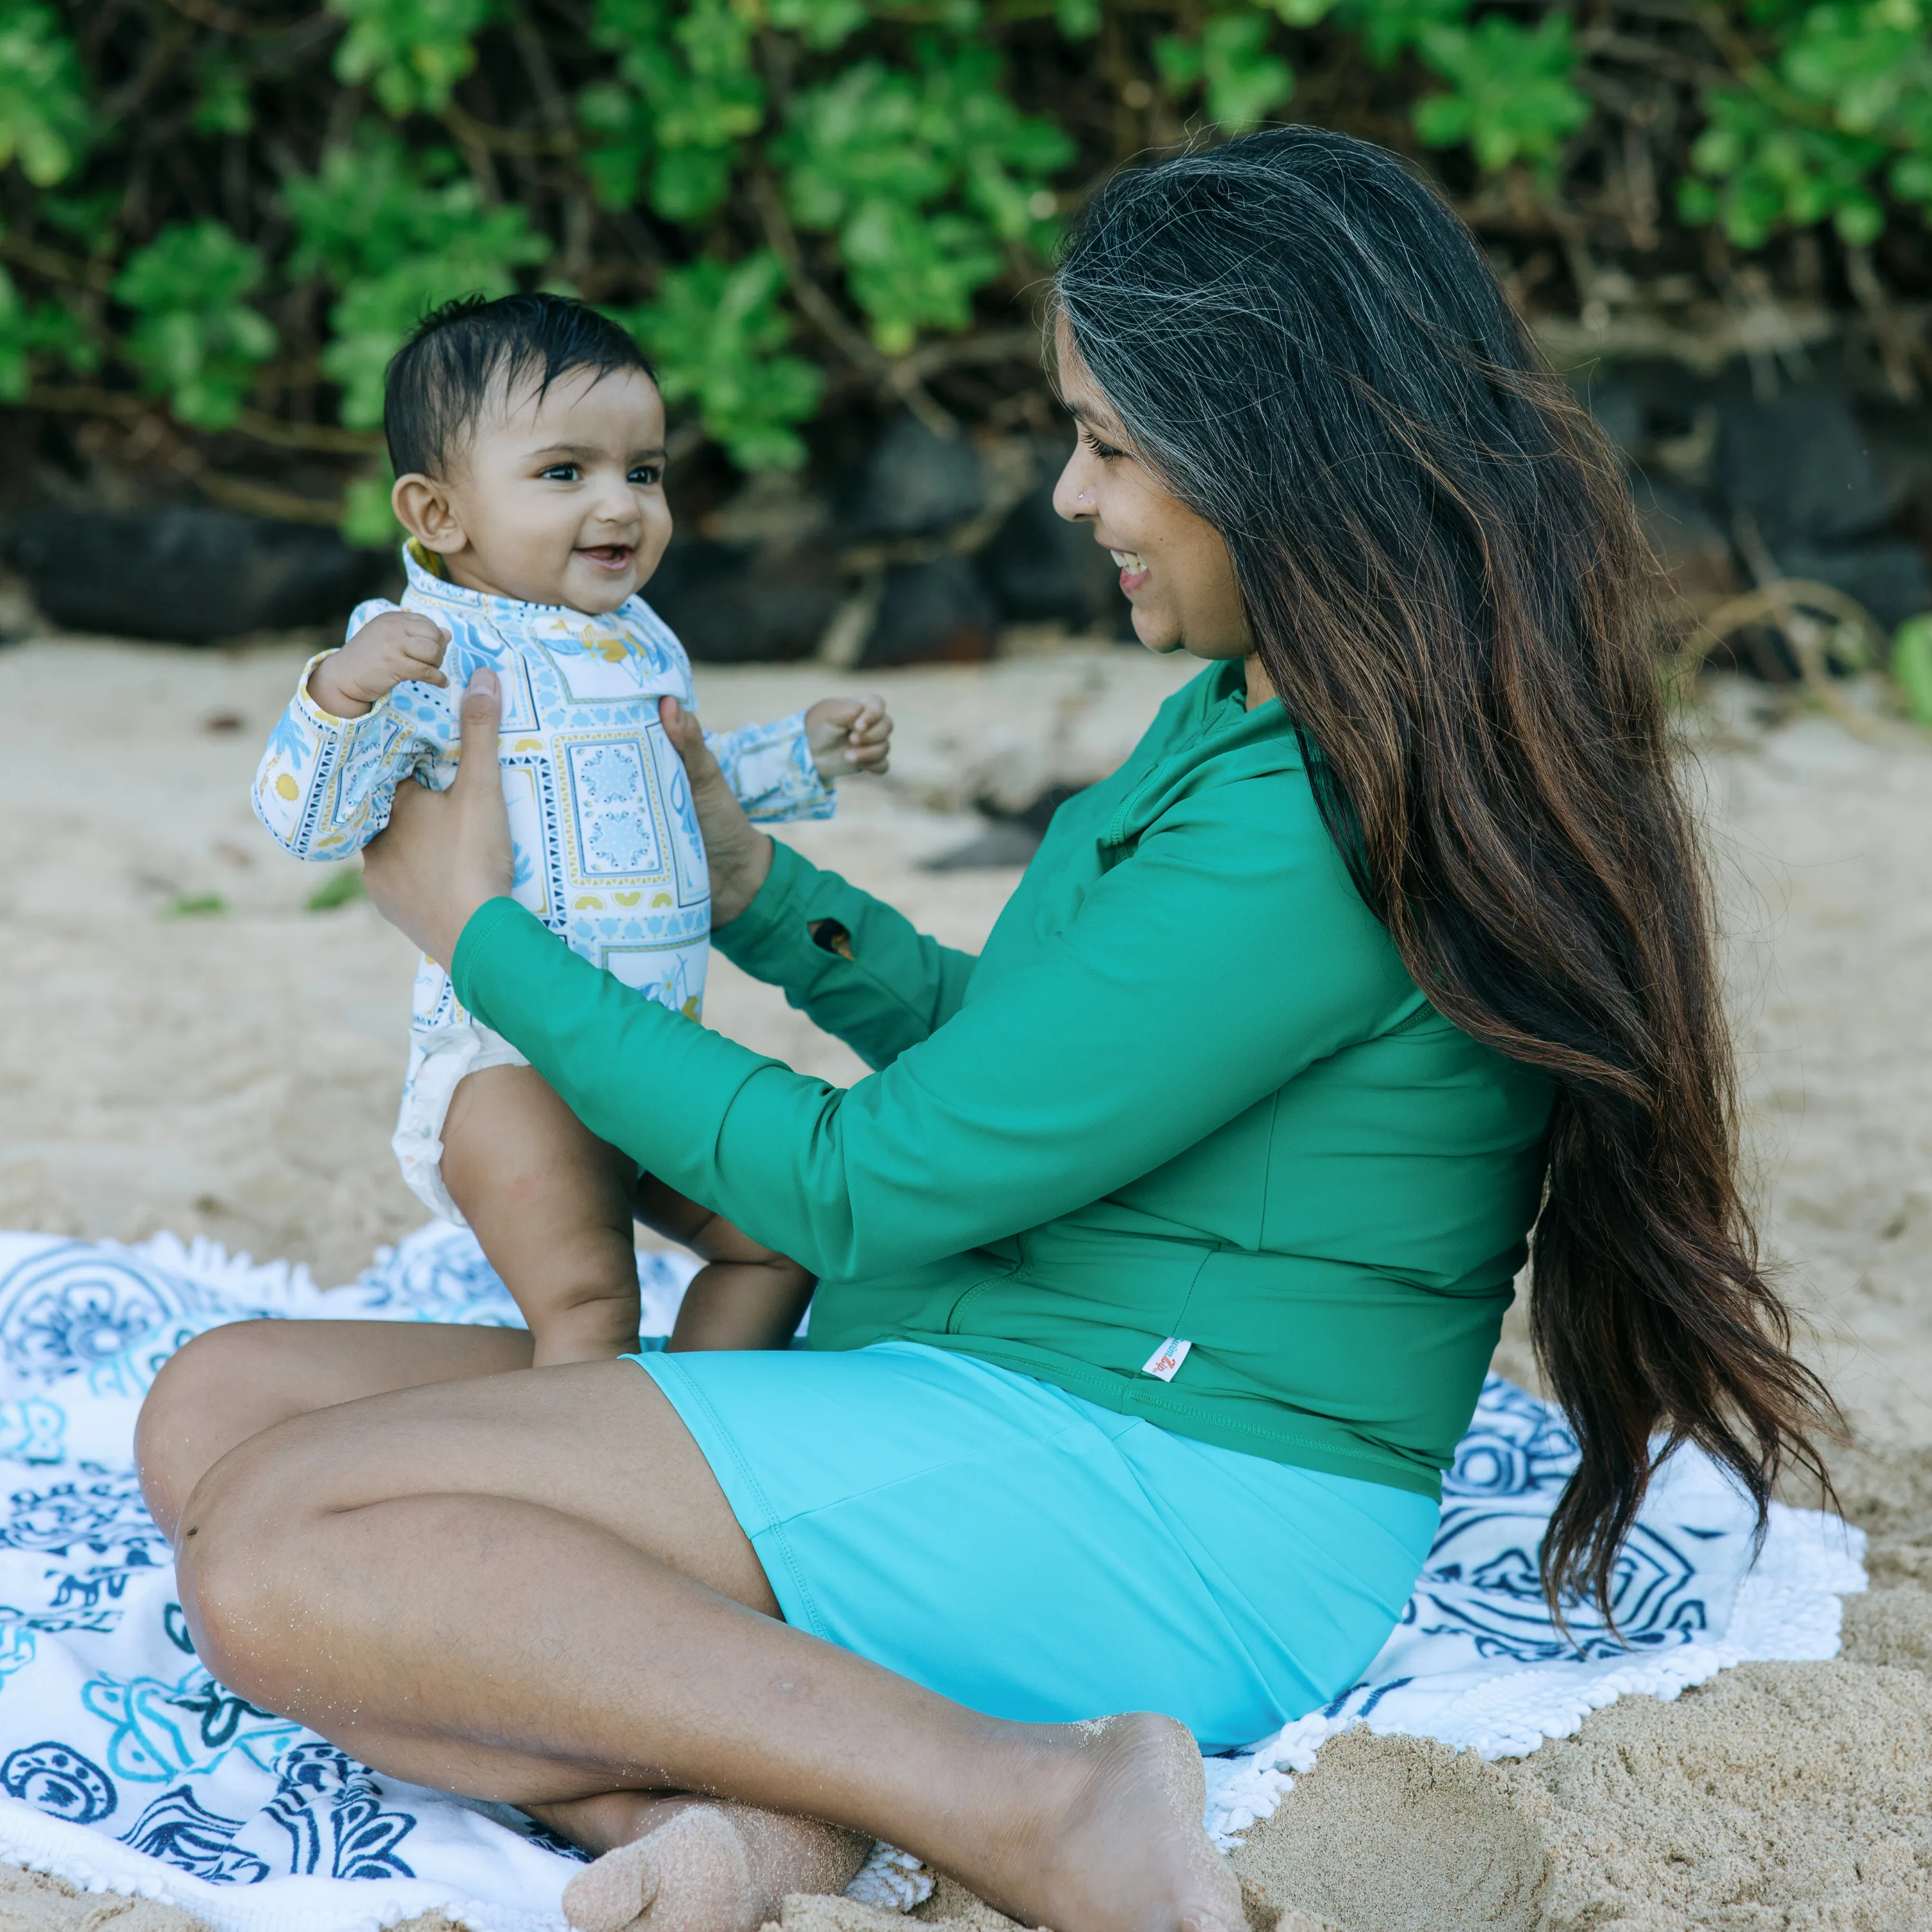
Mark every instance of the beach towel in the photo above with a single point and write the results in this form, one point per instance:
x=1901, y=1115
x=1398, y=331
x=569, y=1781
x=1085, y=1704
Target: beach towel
x=125, y=1767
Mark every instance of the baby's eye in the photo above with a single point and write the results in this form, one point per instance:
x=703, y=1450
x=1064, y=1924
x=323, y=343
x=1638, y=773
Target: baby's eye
x=559, y=472
x=646, y=475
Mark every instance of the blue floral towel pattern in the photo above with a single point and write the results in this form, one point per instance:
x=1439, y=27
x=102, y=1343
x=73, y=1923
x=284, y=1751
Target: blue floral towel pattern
x=124, y=1766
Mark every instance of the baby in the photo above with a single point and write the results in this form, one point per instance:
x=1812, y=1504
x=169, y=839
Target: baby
x=527, y=436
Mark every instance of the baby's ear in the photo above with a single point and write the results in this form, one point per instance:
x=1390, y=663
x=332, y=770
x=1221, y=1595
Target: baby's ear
x=423, y=507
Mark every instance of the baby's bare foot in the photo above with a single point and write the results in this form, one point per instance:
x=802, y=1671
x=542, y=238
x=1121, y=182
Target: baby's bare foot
x=1122, y=1848
x=711, y=1867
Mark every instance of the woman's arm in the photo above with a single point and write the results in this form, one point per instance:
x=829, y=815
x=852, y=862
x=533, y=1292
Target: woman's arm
x=1226, y=955
x=860, y=969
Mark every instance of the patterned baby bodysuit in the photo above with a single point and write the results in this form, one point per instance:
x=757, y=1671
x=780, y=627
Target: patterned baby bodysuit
x=607, y=850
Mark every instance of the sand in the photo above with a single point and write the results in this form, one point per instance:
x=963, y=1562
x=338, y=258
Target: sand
x=236, y=1073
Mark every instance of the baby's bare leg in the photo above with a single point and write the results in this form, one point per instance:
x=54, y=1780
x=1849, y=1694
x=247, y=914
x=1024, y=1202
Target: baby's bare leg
x=748, y=1296
x=550, y=1204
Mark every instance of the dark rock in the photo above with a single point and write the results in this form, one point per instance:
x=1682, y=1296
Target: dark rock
x=736, y=604
x=935, y=613
x=914, y=483
x=1003, y=843
x=1800, y=465
x=1044, y=570
x=1695, y=553
x=1618, y=407
x=1010, y=838
x=187, y=575
x=1888, y=575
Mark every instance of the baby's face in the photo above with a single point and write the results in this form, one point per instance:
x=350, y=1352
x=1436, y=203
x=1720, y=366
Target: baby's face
x=562, y=501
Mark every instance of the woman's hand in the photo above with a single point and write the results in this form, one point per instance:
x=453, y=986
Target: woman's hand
x=445, y=853
x=740, y=855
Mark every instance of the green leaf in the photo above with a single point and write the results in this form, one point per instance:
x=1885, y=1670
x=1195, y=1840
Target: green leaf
x=45, y=122
x=715, y=331
x=1244, y=80
x=1510, y=95
x=686, y=99
x=196, y=341
x=224, y=106
x=344, y=888
x=825, y=24
x=1755, y=170
x=1389, y=28
x=412, y=52
x=1077, y=19
x=922, y=176
x=14, y=342
x=397, y=232
x=367, y=521
x=1912, y=666
x=195, y=905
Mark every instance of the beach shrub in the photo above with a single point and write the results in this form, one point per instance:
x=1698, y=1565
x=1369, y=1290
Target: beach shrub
x=217, y=220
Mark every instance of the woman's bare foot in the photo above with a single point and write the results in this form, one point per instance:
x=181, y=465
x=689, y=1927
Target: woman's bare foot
x=1121, y=1849
x=706, y=1866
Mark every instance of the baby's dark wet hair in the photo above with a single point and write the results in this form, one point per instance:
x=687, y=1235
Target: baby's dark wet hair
x=461, y=355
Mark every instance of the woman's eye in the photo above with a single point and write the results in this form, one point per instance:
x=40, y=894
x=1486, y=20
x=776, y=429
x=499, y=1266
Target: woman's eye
x=559, y=472
x=1105, y=452
x=646, y=474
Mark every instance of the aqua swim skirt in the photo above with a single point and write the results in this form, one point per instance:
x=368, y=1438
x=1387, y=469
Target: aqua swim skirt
x=1030, y=1554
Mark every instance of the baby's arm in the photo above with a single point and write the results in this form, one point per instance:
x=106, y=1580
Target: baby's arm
x=745, y=1297
x=849, y=734
x=325, y=784
x=783, y=769
x=391, y=650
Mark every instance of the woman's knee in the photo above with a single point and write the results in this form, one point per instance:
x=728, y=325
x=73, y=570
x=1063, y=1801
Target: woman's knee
x=213, y=1392
x=239, y=1573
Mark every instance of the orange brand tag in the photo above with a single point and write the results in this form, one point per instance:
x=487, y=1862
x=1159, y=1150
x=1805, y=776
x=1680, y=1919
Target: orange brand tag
x=1165, y=1360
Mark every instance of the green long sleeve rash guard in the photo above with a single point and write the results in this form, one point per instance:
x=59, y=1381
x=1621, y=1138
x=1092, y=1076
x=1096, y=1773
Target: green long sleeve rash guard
x=1188, y=1091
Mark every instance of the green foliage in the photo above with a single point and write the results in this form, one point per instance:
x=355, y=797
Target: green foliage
x=412, y=52
x=195, y=905
x=44, y=117
x=1912, y=667
x=1511, y=96
x=716, y=331
x=14, y=372
x=1231, y=62
x=367, y=521
x=922, y=176
x=757, y=186
x=397, y=231
x=344, y=886
x=1758, y=170
x=1389, y=28
x=686, y=96
x=196, y=342
x=1842, y=113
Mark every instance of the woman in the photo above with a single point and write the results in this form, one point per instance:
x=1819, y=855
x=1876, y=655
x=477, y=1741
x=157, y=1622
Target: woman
x=1162, y=1258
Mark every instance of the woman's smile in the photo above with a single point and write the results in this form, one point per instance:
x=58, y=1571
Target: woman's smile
x=1133, y=567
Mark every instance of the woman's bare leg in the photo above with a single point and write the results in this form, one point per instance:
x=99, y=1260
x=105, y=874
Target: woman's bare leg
x=530, y=1587
x=234, y=1381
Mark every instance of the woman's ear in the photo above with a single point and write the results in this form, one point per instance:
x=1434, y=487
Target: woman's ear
x=423, y=508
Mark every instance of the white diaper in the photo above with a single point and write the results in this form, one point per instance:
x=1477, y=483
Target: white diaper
x=440, y=1057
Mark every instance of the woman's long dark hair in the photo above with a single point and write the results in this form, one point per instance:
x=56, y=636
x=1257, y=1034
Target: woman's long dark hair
x=1445, y=580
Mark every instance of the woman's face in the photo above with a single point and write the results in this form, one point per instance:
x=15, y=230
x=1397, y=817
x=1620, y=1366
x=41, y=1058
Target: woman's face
x=1175, y=569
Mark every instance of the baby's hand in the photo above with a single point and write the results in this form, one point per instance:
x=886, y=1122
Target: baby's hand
x=388, y=651
x=849, y=734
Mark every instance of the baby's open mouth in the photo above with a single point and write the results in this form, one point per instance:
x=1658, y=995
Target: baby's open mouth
x=609, y=556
